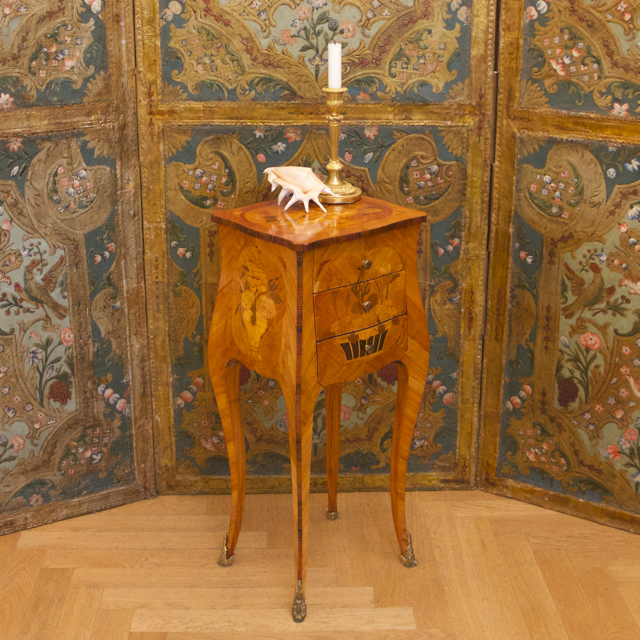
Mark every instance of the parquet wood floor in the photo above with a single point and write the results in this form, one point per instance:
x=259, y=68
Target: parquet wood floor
x=489, y=568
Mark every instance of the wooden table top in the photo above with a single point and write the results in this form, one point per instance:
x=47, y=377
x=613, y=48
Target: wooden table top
x=303, y=231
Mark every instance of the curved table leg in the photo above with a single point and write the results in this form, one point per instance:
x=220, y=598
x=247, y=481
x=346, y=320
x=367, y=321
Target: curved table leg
x=411, y=381
x=226, y=386
x=412, y=376
x=333, y=404
x=300, y=405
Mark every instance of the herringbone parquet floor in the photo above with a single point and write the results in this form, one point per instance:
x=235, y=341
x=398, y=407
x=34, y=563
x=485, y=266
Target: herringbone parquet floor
x=489, y=568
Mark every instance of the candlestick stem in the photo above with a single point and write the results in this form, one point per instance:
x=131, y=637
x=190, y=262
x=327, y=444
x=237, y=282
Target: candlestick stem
x=345, y=193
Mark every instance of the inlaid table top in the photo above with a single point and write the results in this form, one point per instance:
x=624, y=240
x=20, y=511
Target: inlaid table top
x=301, y=231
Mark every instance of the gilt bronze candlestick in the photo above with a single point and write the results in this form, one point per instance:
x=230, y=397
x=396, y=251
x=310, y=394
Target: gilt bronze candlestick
x=345, y=193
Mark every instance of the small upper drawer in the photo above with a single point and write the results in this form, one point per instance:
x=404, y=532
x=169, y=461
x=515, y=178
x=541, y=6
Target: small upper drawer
x=359, y=305
x=362, y=259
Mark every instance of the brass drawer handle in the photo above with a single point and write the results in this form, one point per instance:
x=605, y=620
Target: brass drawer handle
x=367, y=306
x=366, y=264
x=369, y=349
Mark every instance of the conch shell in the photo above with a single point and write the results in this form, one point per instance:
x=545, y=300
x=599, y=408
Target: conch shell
x=299, y=182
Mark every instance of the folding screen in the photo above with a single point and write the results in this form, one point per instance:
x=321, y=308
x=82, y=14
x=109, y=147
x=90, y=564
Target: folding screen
x=561, y=390
x=74, y=396
x=228, y=88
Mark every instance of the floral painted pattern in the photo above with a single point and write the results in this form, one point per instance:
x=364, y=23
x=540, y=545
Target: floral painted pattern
x=582, y=57
x=378, y=158
x=51, y=52
x=266, y=51
x=313, y=30
x=572, y=380
x=65, y=418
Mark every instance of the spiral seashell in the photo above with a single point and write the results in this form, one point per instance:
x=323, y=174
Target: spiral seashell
x=298, y=182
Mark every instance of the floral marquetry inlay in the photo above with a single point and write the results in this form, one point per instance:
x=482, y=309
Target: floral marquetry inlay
x=261, y=303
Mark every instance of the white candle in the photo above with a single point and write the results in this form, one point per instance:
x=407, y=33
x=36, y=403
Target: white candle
x=335, y=65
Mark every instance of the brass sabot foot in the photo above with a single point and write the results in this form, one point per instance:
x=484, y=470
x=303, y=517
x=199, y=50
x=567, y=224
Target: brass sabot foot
x=332, y=515
x=223, y=560
x=299, y=608
x=409, y=560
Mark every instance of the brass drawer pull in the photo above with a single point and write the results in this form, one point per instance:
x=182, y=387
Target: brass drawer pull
x=369, y=349
x=366, y=264
x=367, y=306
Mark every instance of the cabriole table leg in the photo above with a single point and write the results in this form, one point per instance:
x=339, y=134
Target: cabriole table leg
x=333, y=404
x=226, y=386
x=300, y=405
x=411, y=381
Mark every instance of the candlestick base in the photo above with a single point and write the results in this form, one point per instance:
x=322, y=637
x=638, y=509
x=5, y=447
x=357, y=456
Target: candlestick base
x=345, y=193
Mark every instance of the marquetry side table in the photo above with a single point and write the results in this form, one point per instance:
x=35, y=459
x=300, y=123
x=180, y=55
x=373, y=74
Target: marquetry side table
x=315, y=300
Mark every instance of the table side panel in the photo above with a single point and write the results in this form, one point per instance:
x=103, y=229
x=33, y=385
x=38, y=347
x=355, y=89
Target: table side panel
x=256, y=305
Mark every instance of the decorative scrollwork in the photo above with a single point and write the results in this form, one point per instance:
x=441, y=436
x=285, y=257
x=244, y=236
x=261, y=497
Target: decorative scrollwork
x=47, y=44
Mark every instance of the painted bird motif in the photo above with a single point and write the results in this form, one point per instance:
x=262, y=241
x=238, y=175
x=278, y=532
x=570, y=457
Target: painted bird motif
x=587, y=295
x=40, y=292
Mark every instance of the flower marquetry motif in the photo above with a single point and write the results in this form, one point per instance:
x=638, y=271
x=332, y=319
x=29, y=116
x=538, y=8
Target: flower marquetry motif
x=260, y=292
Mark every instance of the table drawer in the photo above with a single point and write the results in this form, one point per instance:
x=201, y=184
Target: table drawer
x=343, y=264
x=359, y=305
x=355, y=354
